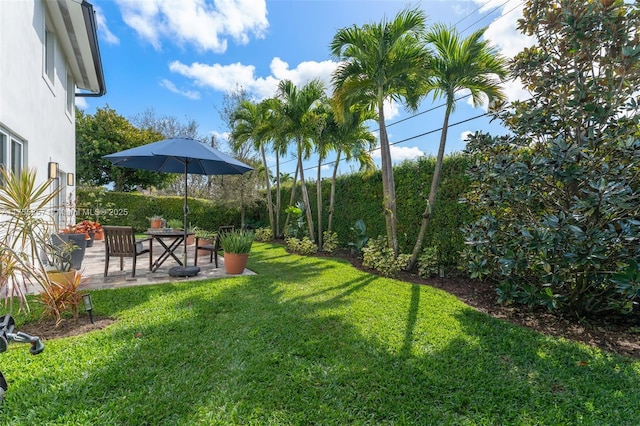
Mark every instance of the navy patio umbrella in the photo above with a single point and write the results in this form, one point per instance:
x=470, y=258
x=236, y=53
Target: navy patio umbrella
x=180, y=155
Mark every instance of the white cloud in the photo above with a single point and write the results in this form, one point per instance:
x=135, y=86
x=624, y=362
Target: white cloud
x=224, y=78
x=81, y=102
x=505, y=36
x=205, y=24
x=104, y=30
x=400, y=153
x=191, y=94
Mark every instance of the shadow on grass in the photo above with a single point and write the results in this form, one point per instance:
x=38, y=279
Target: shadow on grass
x=297, y=345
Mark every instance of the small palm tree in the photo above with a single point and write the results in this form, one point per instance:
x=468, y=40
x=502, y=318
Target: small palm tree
x=458, y=64
x=299, y=123
x=355, y=141
x=248, y=122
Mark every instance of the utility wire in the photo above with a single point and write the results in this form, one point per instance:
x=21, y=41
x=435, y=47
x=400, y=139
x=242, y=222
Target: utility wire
x=457, y=123
x=442, y=104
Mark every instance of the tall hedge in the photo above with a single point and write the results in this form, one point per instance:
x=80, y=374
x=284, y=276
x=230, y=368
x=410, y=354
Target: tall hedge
x=135, y=209
x=358, y=196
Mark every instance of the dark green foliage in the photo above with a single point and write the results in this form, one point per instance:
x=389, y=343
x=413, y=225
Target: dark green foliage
x=359, y=235
x=428, y=265
x=359, y=196
x=107, y=132
x=559, y=199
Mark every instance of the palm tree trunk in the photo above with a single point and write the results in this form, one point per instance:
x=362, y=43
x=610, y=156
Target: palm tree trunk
x=319, y=202
x=388, y=185
x=435, y=183
x=278, y=197
x=269, y=197
x=292, y=198
x=305, y=194
x=333, y=192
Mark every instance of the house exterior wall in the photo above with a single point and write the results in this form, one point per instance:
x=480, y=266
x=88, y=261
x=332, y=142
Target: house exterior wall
x=33, y=108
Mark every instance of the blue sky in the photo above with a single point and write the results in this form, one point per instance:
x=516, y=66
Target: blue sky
x=180, y=57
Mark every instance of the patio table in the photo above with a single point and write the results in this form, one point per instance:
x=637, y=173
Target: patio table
x=176, y=238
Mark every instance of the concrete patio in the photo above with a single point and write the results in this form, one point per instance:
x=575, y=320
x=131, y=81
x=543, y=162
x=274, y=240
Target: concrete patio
x=93, y=269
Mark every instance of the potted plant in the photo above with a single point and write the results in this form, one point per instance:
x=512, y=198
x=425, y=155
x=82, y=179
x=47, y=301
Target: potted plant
x=67, y=250
x=157, y=222
x=236, y=245
x=175, y=224
x=88, y=227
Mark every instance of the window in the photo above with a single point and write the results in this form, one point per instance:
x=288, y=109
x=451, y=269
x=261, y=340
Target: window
x=71, y=89
x=3, y=149
x=16, y=156
x=12, y=151
x=49, y=54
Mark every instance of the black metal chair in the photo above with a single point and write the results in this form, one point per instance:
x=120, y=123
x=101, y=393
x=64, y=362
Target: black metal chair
x=214, y=248
x=120, y=241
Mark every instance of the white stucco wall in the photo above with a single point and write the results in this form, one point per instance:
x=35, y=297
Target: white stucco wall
x=30, y=107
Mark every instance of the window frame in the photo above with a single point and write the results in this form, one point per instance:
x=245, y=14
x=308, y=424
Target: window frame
x=49, y=57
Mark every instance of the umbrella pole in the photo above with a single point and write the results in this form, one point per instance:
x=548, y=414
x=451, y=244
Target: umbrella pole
x=186, y=212
x=184, y=270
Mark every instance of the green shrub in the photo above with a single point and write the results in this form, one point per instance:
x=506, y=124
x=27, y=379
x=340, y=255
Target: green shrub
x=557, y=198
x=428, y=266
x=264, y=234
x=377, y=256
x=302, y=246
x=329, y=241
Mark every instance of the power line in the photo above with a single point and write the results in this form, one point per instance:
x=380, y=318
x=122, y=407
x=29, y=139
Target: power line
x=457, y=123
x=487, y=15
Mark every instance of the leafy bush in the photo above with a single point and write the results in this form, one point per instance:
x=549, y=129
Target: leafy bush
x=302, y=246
x=62, y=296
x=558, y=198
x=264, y=234
x=377, y=256
x=296, y=228
x=359, y=232
x=329, y=241
x=428, y=263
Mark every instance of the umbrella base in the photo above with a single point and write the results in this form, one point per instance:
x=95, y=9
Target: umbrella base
x=184, y=271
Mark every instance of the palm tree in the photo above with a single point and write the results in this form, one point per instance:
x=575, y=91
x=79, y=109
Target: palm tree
x=299, y=122
x=271, y=129
x=382, y=62
x=325, y=138
x=355, y=141
x=458, y=64
x=248, y=123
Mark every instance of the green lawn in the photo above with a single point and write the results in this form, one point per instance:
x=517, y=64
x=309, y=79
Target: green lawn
x=311, y=341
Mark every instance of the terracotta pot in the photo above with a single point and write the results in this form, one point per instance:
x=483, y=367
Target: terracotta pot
x=235, y=263
x=156, y=223
x=190, y=240
x=99, y=235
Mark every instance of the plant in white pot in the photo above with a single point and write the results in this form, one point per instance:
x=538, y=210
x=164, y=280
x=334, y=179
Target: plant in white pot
x=236, y=246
